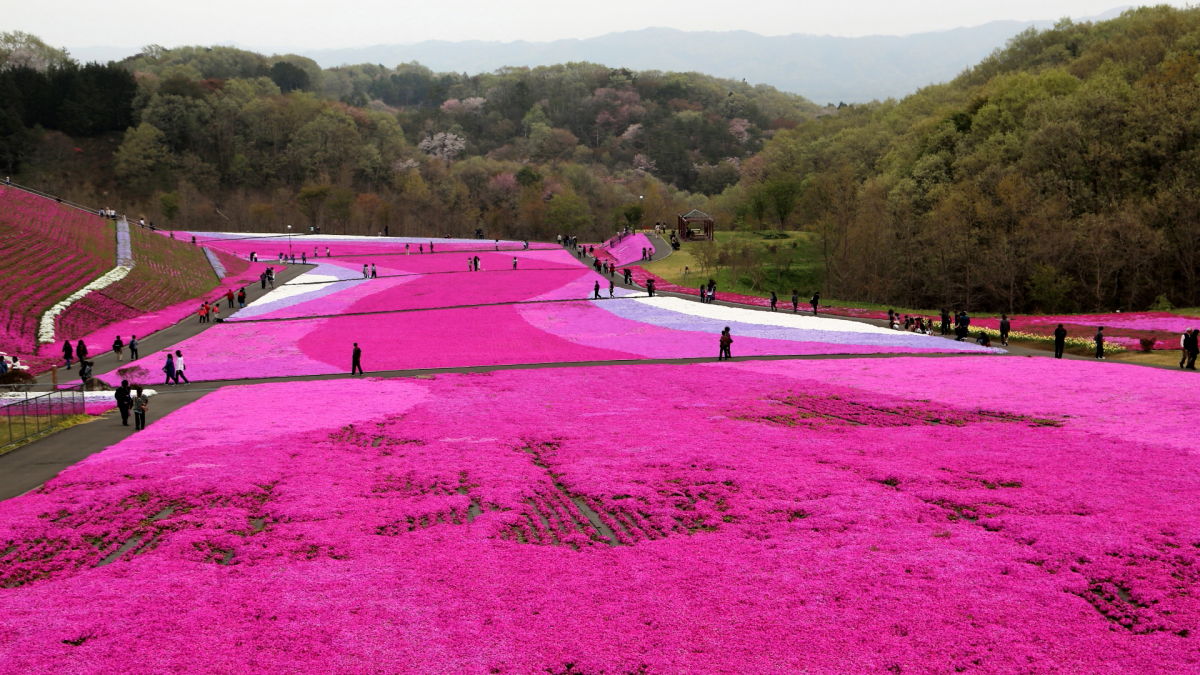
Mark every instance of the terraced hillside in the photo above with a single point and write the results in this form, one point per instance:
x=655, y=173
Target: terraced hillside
x=48, y=251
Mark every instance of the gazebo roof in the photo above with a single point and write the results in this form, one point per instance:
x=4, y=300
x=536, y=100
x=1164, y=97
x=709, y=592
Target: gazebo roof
x=696, y=214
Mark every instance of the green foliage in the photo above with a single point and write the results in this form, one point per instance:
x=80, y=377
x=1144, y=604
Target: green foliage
x=289, y=77
x=1058, y=174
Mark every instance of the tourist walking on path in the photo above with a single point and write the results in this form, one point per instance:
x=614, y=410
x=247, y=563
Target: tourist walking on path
x=202, y=312
x=945, y=321
x=612, y=289
x=1060, y=341
x=1183, y=349
x=703, y=293
x=81, y=352
x=795, y=302
x=118, y=347
x=712, y=291
x=1005, y=324
x=133, y=348
x=596, y=291
x=169, y=369
x=366, y=274
x=650, y=287
x=514, y=262
x=1099, y=340
x=241, y=298
x=229, y=297
x=774, y=300
x=68, y=351
x=180, y=368
x=726, y=343
x=141, y=404
x=124, y=401
x=374, y=272
x=1191, y=348
x=815, y=302
x=356, y=361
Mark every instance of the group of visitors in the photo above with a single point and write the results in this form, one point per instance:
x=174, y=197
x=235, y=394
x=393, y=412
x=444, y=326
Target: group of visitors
x=370, y=272
x=647, y=253
x=708, y=292
x=175, y=368
x=209, y=311
x=267, y=278
x=135, y=400
x=473, y=264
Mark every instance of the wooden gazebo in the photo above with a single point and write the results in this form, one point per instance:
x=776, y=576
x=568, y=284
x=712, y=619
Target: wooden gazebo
x=696, y=224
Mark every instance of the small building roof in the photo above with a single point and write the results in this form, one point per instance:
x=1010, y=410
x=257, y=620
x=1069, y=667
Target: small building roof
x=696, y=214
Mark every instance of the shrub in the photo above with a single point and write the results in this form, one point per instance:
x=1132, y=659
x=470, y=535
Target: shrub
x=1147, y=343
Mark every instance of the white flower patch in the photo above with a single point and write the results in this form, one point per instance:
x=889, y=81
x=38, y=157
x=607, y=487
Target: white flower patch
x=762, y=318
x=46, y=327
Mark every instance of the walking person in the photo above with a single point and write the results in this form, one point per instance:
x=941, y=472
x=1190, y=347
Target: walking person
x=133, y=348
x=81, y=352
x=118, y=347
x=356, y=360
x=374, y=272
x=202, y=313
x=169, y=369
x=612, y=289
x=366, y=273
x=1193, y=349
x=68, y=351
x=774, y=300
x=1060, y=341
x=1005, y=324
x=712, y=291
x=596, y=291
x=650, y=287
x=816, y=300
x=795, y=302
x=726, y=343
x=141, y=404
x=1183, y=349
x=124, y=401
x=1099, y=340
x=945, y=321
x=229, y=297
x=179, y=368
x=241, y=297
x=514, y=262
x=703, y=293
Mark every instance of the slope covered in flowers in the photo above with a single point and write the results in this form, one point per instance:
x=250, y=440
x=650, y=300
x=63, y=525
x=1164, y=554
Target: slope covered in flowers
x=49, y=251
x=825, y=516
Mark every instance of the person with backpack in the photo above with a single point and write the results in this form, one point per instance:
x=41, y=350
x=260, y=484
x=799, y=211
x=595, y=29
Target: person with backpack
x=118, y=347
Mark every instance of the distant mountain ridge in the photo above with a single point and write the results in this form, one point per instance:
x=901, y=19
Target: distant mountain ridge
x=824, y=69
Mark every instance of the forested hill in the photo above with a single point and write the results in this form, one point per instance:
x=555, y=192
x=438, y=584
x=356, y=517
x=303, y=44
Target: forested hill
x=221, y=137
x=1062, y=173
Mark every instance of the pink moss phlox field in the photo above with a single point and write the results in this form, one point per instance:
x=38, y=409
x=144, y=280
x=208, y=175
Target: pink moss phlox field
x=625, y=251
x=62, y=248
x=824, y=516
x=268, y=246
x=1126, y=328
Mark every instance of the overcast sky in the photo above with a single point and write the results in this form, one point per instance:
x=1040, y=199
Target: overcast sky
x=354, y=23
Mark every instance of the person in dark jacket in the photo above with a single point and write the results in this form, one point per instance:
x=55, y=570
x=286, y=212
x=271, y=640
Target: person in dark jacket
x=118, y=347
x=1005, y=325
x=356, y=360
x=133, y=348
x=815, y=302
x=795, y=302
x=1099, y=340
x=1060, y=341
x=169, y=369
x=68, y=352
x=1192, y=347
x=726, y=342
x=124, y=401
x=945, y=321
x=774, y=300
x=81, y=351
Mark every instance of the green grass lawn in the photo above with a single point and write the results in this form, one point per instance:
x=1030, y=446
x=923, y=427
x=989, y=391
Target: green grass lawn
x=793, y=261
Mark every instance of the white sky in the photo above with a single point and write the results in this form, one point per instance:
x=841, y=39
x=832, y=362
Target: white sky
x=356, y=23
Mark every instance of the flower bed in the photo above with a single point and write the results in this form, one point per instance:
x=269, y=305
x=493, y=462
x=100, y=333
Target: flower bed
x=49, y=252
x=622, y=329
x=1125, y=329
x=755, y=517
x=626, y=250
x=269, y=246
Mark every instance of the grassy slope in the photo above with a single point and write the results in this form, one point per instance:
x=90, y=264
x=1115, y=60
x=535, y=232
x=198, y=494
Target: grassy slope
x=803, y=273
